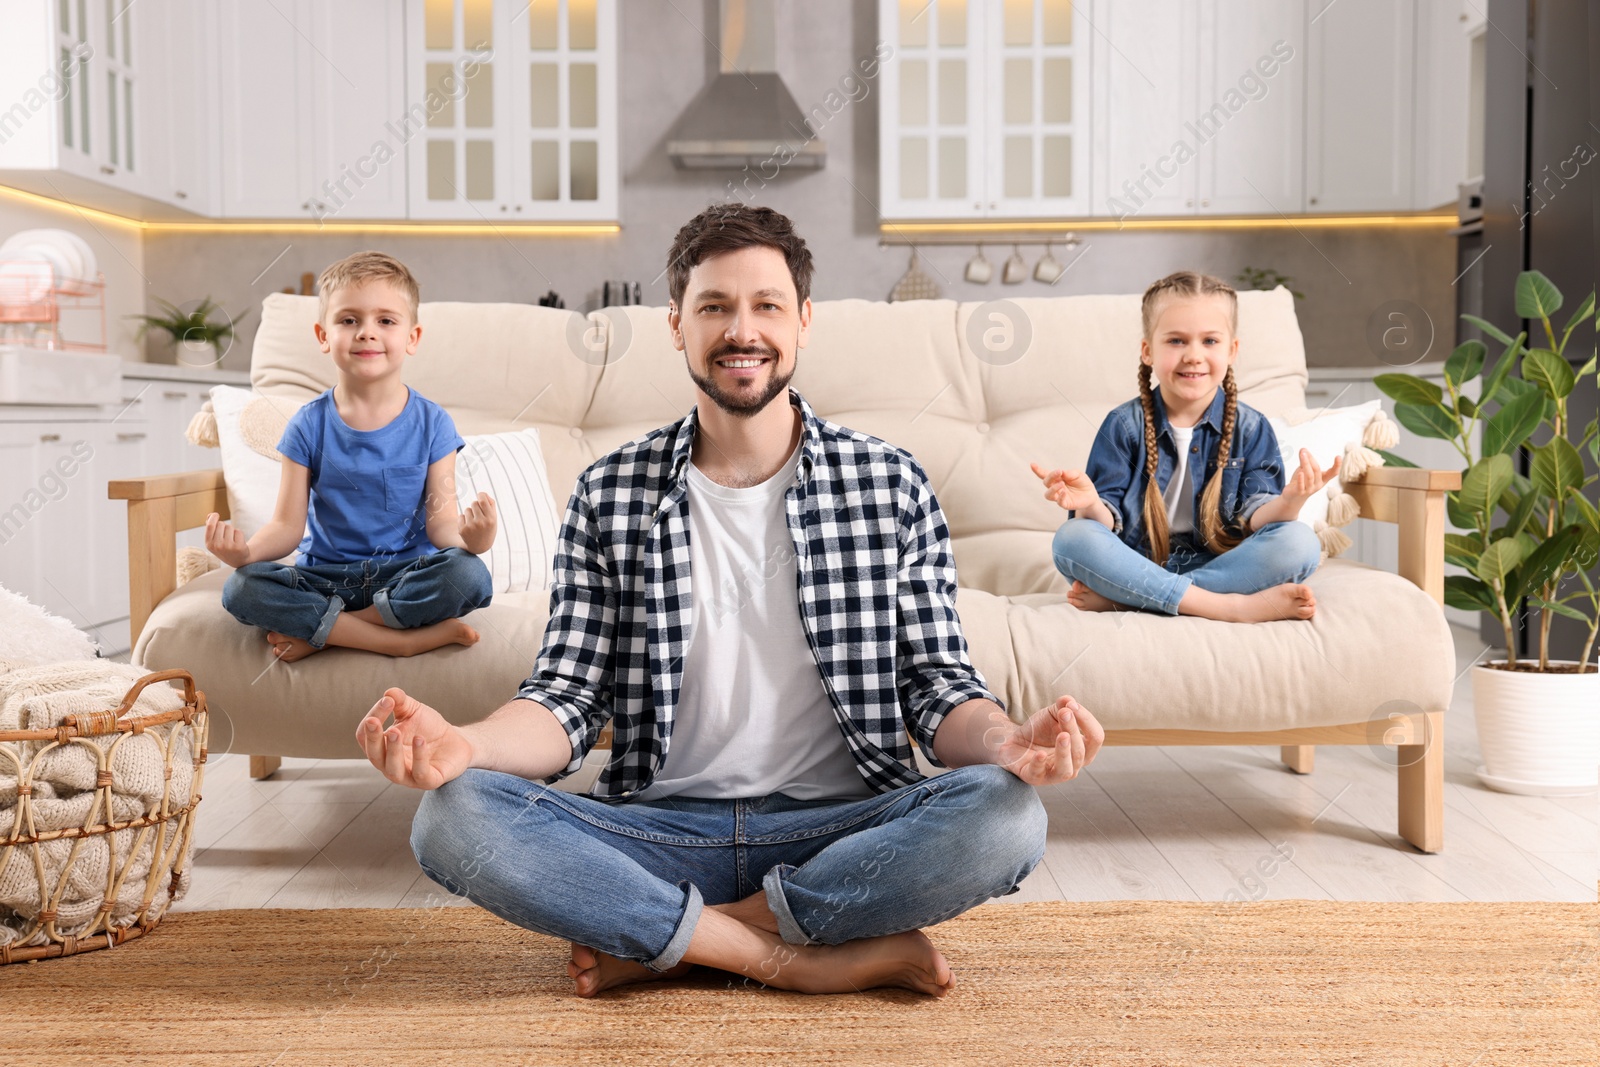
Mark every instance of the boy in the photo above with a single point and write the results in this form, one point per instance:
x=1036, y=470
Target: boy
x=387, y=563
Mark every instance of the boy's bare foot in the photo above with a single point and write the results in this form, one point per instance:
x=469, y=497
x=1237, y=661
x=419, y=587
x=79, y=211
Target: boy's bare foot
x=908, y=960
x=288, y=649
x=592, y=971
x=1083, y=598
x=1287, y=601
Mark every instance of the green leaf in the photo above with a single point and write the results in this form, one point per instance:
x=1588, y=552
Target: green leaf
x=1458, y=515
x=1585, y=309
x=1560, y=609
x=1462, y=550
x=1502, y=368
x=1520, y=510
x=1545, y=561
x=1590, y=514
x=1465, y=363
x=1488, y=328
x=1408, y=389
x=1549, y=371
x=1500, y=559
x=1484, y=482
x=1431, y=421
x=1537, y=296
x=1392, y=460
x=1468, y=594
x=1556, y=468
x=1513, y=424
x=1515, y=387
x=1466, y=407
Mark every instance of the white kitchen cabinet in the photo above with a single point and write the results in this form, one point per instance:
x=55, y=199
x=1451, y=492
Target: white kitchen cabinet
x=72, y=79
x=1444, y=100
x=182, y=123
x=985, y=109
x=1360, y=105
x=312, y=100
x=511, y=110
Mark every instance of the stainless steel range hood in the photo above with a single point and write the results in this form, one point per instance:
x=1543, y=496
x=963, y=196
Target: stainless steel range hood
x=746, y=116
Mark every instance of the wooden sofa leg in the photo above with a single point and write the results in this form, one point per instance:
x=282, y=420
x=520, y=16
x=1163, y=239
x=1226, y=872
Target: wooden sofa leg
x=1422, y=785
x=264, y=766
x=1299, y=758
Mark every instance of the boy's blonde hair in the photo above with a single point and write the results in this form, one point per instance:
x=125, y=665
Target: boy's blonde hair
x=363, y=267
x=1213, y=531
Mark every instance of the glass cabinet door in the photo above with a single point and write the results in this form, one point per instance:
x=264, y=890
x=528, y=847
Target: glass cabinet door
x=73, y=50
x=1036, y=147
x=931, y=149
x=564, y=108
x=455, y=114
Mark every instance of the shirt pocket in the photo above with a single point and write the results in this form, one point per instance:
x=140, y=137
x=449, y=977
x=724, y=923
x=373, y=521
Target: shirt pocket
x=1232, y=476
x=402, y=488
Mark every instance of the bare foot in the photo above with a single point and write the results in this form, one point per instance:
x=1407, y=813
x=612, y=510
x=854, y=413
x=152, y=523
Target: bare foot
x=1083, y=598
x=591, y=971
x=1287, y=601
x=908, y=960
x=289, y=649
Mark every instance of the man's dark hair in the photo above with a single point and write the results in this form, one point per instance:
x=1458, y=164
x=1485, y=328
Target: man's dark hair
x=728, y=228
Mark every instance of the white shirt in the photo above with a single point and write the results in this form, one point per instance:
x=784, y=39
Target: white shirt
x=1179, y=496
x=753, y=717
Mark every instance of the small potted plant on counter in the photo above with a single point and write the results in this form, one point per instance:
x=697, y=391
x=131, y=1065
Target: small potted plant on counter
x=1528, y=538
x=199, y=341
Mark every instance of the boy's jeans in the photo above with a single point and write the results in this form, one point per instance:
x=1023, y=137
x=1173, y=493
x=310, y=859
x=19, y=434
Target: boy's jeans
x=1087, y=551
x=631, y=879
x=303, y=602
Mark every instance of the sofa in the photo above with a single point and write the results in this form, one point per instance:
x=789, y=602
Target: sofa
x=1374, y=667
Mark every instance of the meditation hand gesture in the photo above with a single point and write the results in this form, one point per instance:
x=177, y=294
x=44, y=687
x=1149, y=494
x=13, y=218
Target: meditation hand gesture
x=421, y=750
x=1071, y=489
x=478, y=524
x=226, y=542
x=1052, y=746
x=1308, y=480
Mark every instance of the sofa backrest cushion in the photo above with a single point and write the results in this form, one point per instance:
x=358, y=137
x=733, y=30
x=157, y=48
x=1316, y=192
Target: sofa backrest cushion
x=908, y=372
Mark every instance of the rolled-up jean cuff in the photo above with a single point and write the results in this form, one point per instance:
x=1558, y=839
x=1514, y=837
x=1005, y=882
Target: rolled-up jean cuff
x=325, y=627
x=1171, y=606
x=672, y=955
x=788, y=927
x=380, y=600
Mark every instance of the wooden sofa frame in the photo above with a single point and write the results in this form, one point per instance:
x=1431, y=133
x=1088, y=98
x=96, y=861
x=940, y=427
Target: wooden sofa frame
x=159, y=507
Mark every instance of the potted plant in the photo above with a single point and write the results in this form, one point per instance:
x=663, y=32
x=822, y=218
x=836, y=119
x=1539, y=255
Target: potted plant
x=193, y=332
x=1526, y=538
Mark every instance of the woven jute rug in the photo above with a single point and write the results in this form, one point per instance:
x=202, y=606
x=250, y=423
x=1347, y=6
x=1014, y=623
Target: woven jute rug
x=1131, y=982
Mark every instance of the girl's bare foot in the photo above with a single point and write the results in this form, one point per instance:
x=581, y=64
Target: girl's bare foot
x=1287, y=601
x=1083, y=598
x=288, y=649
x=591, y=971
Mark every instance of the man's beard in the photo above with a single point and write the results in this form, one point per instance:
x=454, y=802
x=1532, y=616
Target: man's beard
x=746, y=404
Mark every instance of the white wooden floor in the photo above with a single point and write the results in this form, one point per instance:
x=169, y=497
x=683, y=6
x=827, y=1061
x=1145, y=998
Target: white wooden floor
x=1144, y=823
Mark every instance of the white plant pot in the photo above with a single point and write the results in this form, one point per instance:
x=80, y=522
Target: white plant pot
x=1539, y=733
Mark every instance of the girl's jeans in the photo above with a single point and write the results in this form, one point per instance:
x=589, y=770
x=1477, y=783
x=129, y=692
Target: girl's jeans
x=303, y=601
x=1087, y=551
x=631, y=879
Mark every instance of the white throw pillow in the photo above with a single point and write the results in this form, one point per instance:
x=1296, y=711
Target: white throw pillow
x=510, y=467
x=1325, y=432
x=250, y=461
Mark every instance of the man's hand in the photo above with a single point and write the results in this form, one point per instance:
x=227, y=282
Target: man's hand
x=1052, y=746
x=421, y=750
x=478, y=524
x=1071, y=489
x=226, y=541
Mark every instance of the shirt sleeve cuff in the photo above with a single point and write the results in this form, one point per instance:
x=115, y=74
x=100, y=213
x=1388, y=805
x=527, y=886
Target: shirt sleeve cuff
x=1250, y=506
x=570, y=715
x=942, y=705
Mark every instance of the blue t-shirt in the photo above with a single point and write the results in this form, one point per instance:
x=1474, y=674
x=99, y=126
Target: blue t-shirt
x=367, y=485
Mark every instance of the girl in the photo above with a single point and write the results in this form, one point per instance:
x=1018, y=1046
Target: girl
x=1183, y=508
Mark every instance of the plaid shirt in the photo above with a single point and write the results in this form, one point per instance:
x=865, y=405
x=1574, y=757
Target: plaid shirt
x=877, y=590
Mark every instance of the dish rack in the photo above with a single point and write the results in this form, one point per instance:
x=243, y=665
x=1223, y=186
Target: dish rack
x=31, y=313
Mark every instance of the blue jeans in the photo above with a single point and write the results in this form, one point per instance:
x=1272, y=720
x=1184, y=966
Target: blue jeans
x=1087, y=551
x=303, y=602
x=631, y=879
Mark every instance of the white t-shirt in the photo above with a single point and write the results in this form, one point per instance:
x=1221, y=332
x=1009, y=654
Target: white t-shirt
x=753, y=717
x=1179, y=496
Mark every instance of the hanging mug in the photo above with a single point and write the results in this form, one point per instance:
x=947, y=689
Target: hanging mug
x=1016, y=268
x=979, y=270
x=1049, y=268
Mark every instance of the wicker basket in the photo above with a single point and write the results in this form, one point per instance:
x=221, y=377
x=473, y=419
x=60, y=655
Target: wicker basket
x=167, y=826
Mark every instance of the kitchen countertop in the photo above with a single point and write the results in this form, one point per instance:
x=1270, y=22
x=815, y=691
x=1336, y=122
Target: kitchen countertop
x=178, y=372
x=1431, y=369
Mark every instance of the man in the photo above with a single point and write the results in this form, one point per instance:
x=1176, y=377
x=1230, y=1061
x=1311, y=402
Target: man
x=760, y=812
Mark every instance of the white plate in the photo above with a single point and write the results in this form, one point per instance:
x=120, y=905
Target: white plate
x=1534, y=789
x=25, y=278
x=88, y=267
x=50, y=253
x=71, y=251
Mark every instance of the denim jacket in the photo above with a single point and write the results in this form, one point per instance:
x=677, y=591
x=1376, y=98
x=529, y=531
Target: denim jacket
x=1254, y=474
